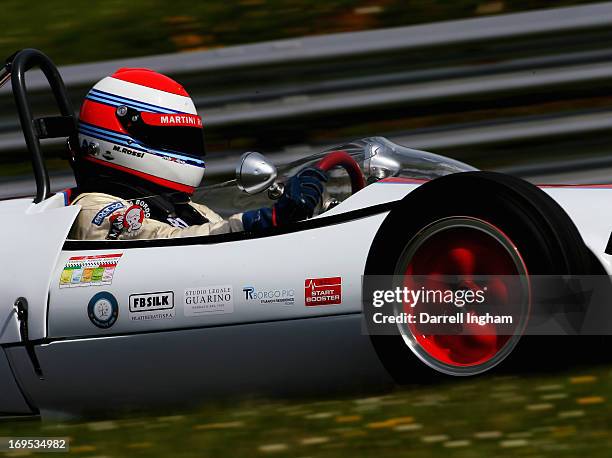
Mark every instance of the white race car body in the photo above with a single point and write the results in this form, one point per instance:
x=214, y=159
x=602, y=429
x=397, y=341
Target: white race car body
x=198, y=317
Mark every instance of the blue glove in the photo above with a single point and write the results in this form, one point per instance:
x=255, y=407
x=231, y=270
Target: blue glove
x=301, y=195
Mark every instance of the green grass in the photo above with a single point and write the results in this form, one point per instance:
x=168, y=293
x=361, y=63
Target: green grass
x=554, y=415
x=83, y=31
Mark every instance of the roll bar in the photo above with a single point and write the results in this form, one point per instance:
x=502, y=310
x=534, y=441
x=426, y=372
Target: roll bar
x=35, y=129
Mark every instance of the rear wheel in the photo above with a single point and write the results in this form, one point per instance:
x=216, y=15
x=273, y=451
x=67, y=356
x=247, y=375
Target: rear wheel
x=472, y=223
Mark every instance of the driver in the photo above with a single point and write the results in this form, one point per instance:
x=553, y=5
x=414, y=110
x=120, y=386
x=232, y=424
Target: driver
x=141, y=156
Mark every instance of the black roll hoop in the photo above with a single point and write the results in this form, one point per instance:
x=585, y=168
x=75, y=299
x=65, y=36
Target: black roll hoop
x=35, y=129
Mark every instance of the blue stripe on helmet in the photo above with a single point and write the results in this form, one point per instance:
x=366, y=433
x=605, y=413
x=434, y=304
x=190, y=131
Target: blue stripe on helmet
x=132, y=143
x=137, y=146
x=87, y=125
x=113, y=139
x=115, y=103
x=113, y=133
x=128, y=101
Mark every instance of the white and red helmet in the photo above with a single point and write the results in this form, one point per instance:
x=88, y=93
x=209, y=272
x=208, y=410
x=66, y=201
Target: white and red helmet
x=145, y=124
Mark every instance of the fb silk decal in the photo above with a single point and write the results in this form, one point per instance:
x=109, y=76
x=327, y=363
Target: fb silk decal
x=152, y=306
x=103, y=310
x=322, y=291
x=106, y=212
x=89, y=270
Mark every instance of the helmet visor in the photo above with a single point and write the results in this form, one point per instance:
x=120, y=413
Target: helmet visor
x=179, y=133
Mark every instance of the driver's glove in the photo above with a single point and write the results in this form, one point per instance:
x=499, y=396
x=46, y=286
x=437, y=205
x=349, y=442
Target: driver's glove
x=301, y=195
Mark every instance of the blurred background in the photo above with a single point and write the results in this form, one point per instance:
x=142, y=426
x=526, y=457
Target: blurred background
x=513, y=85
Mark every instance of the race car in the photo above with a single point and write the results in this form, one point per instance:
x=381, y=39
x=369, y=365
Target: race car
x=95, y=326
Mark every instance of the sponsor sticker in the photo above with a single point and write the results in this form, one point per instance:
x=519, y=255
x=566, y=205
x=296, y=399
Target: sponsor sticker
x=89, y=270
x=322, y=291
x=152, y=306
x=129, y=222
x=133, y=218
x=186, y=120
x=269, y=296
x=129, y=152
x=144, y=205
x=105, y=212
x=103, y=310
x=208, y=300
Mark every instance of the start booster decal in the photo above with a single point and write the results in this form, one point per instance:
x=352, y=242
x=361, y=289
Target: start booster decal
x=89, y=270
x=322, y=291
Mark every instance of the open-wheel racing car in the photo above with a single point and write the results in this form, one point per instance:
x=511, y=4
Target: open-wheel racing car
x=92, y=326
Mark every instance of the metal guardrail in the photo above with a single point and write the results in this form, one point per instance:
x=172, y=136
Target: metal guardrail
x=337, y=46
x=416, y=69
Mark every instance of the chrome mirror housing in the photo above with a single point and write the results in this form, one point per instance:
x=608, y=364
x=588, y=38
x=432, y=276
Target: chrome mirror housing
x=255, y=173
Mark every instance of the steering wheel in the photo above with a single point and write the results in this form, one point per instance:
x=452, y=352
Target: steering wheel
x=346, y=161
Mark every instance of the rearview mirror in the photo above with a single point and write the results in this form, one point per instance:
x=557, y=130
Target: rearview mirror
x=255, y=173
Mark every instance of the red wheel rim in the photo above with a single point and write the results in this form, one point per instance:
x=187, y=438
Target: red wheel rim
x=465, y=247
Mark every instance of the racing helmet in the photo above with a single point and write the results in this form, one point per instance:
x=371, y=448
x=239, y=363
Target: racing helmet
x=144, y=124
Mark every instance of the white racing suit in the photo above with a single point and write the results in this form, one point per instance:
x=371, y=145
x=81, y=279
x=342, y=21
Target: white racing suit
x=103, y=216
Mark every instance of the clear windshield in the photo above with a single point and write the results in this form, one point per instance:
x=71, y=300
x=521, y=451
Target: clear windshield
x=378, y=158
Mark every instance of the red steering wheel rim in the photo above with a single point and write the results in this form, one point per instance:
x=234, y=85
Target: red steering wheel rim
x=346, y=161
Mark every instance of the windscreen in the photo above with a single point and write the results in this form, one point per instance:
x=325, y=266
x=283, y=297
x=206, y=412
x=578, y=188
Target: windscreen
x=377, y=157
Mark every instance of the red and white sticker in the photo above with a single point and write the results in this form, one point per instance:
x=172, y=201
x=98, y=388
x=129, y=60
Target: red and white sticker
x=133, y=218
x=177, y=120
x=322, y=291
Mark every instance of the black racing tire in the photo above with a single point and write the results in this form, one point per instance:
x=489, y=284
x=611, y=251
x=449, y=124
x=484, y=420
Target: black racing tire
x=545, y=236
